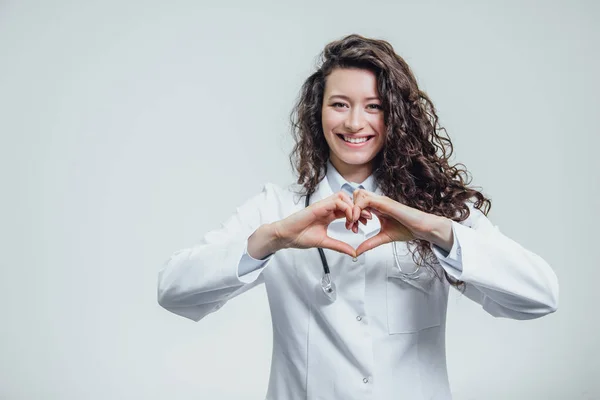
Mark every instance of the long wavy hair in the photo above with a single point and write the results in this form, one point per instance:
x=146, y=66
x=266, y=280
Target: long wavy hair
x=413, y=166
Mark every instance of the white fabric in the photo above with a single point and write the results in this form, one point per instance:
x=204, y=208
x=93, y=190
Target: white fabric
x=383, y=338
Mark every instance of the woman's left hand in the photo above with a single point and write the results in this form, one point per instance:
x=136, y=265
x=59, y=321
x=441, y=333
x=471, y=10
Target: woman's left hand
x=399, y=222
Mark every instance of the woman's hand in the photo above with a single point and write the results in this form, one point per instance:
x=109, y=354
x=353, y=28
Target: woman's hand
x=399, y=222
x=308, y=227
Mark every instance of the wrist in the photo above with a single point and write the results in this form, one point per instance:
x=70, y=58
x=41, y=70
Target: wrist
x=441, y=234
x=277, y=237
x=263, y=242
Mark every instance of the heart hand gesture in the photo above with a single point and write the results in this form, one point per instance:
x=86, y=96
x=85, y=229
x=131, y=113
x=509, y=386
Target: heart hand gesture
x=399, y=222
x=307, y=228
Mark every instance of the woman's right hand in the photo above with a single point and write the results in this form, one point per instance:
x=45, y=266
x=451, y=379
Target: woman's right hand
x=307, y=228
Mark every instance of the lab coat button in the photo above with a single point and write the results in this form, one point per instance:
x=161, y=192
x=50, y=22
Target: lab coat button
x=366, y=380
x=358, y=318
x=354, y=259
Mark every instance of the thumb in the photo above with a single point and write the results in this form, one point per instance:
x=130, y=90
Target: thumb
x=338, y=246
x=373, y=242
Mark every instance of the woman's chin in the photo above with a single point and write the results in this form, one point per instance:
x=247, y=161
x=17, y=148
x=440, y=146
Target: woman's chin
x=356, y=159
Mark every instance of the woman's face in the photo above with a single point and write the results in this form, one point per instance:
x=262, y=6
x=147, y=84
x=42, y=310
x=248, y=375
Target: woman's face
x=352, y=111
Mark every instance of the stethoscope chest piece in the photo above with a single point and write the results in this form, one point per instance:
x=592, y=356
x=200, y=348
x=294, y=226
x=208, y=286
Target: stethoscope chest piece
x=328, y=287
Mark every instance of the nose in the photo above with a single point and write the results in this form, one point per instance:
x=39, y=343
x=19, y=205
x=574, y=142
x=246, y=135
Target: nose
x=355, y=121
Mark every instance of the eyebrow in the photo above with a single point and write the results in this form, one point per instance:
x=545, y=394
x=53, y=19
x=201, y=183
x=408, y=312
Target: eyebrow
x=341, y=96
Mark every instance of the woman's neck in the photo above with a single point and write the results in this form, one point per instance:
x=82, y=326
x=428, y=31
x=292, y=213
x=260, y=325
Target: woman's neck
x=352, y=173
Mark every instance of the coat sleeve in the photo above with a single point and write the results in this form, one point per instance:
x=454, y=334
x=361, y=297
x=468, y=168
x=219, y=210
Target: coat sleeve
x=199, y=280
x=505, y=278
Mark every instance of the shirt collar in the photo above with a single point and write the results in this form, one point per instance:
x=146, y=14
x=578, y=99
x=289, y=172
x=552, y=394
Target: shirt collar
x=337, y=181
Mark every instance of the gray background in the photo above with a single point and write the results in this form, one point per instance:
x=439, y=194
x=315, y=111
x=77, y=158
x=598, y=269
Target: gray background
x=130, y=129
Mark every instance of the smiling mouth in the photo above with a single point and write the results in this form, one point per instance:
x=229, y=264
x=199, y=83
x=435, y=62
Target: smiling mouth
x=355, y=141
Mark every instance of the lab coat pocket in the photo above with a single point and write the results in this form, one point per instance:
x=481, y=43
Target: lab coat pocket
x=412, y=304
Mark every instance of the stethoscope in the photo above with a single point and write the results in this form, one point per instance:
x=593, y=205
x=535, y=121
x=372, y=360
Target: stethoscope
x=328, y=285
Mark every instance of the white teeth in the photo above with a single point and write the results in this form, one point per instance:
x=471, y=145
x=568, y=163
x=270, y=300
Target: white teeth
x=362, y=140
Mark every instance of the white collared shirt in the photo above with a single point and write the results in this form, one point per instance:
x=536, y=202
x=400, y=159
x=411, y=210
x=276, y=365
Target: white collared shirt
x=383, y=337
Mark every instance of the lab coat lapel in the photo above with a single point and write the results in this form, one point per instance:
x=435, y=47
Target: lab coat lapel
x=322, y=191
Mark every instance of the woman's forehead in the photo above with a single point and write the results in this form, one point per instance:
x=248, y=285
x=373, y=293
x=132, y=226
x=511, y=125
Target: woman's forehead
x=359, y=84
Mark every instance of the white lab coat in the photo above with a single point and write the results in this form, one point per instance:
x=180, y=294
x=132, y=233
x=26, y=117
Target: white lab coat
x=383, y=337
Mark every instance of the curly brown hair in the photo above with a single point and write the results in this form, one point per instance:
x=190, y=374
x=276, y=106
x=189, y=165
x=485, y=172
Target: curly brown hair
x=408, y=169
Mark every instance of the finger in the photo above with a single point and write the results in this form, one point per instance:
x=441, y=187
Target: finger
x=347, y=208
x=366, y=214
x=356, y=211
x=368, y=201
x=339, y=205
x=338, y=214
x=373, y=242
x=345, y=197
x=351, y=225
x=325, y=208
x=348, y=224
x=338, y=246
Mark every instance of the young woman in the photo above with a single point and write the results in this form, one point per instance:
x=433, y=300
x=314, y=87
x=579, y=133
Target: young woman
x=365, y=317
